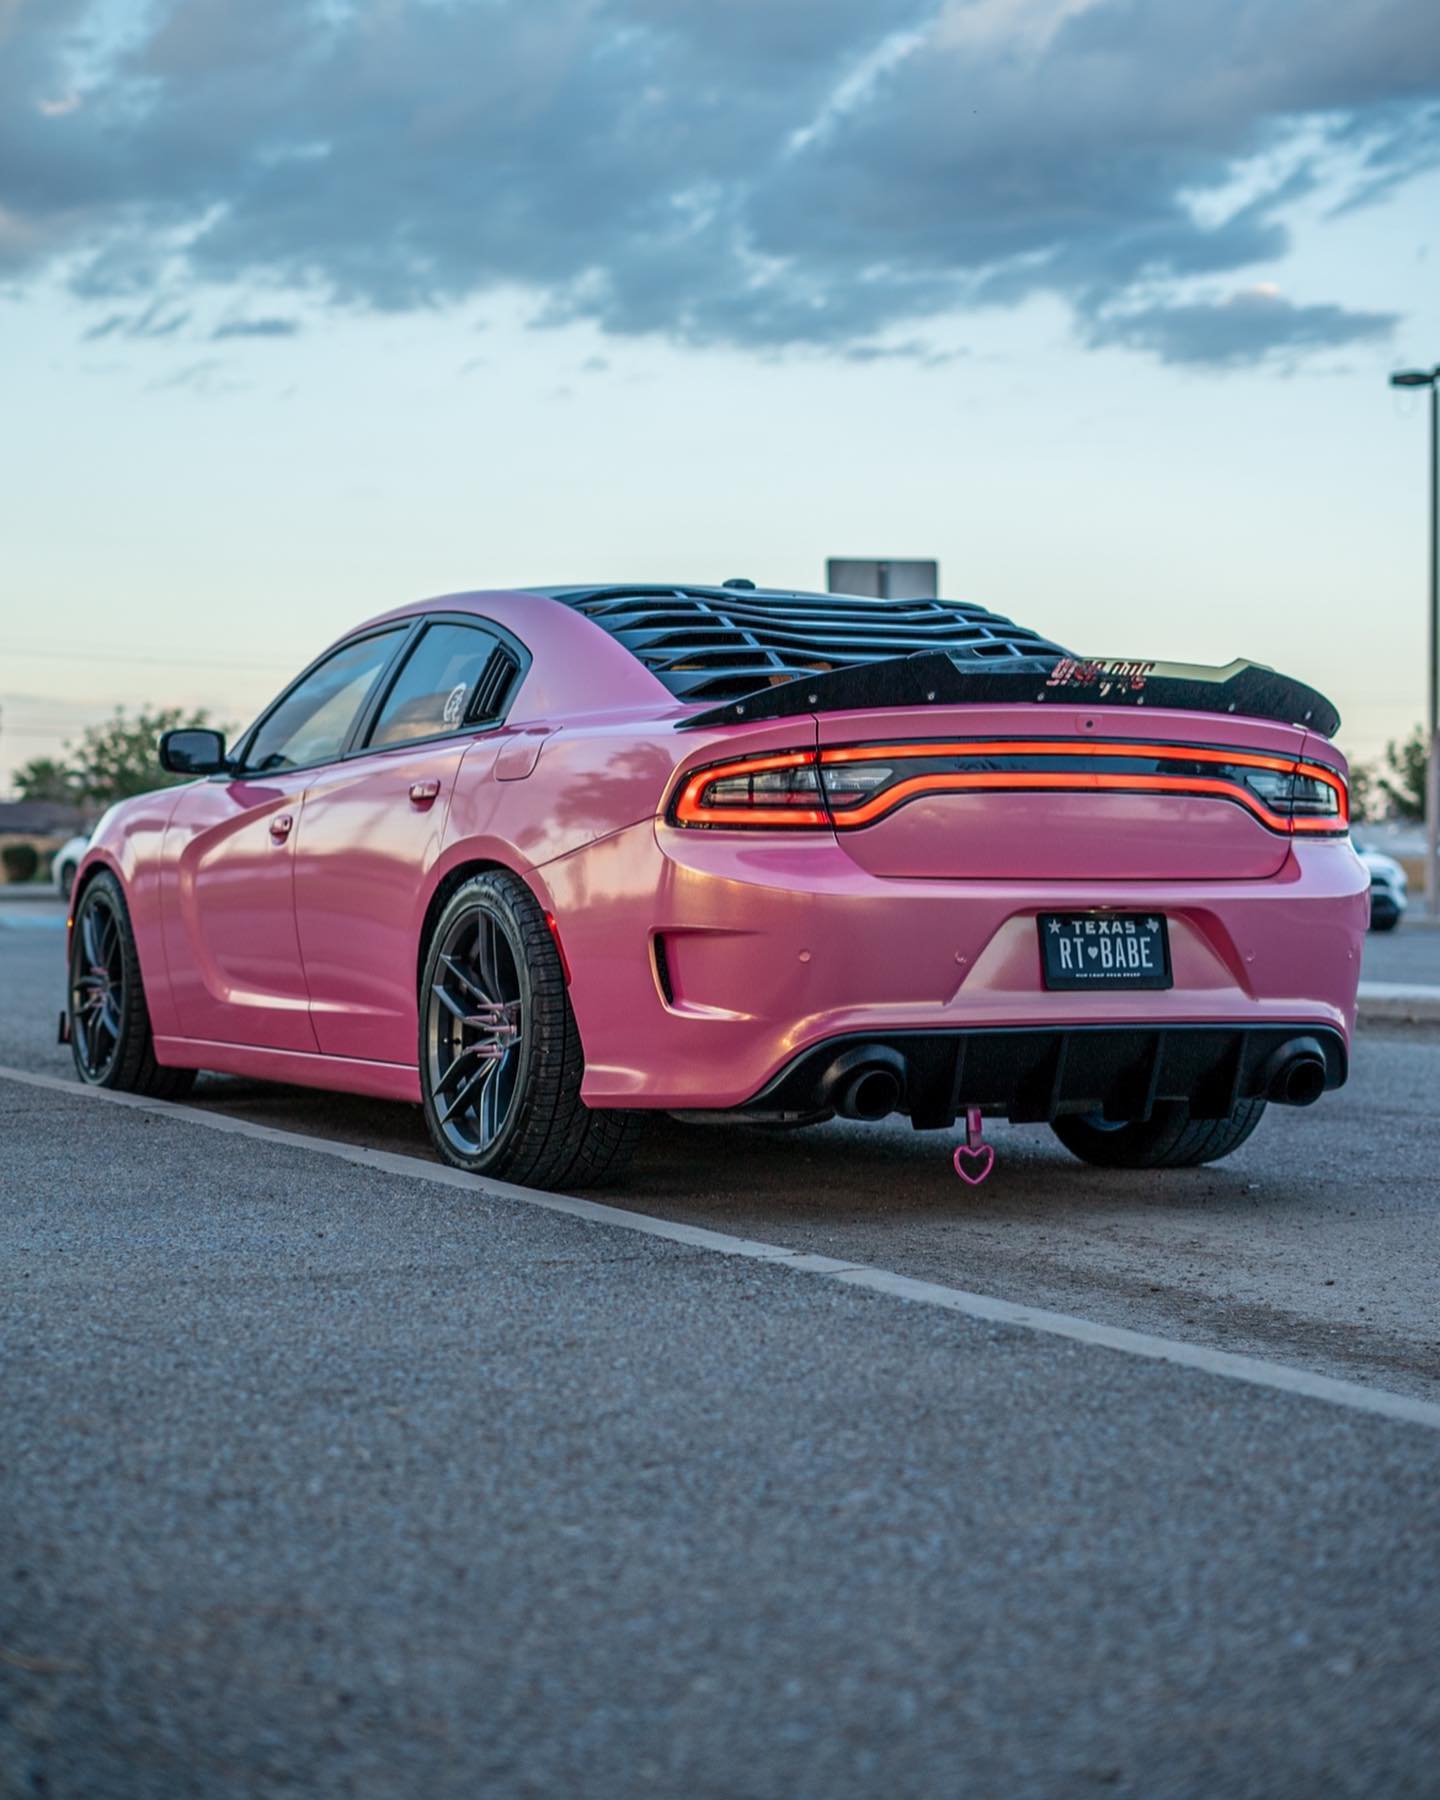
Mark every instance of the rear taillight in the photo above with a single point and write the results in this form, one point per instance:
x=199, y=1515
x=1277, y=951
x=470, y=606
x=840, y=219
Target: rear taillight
x=769, y=791
x=853, y=786
x=1317, y=797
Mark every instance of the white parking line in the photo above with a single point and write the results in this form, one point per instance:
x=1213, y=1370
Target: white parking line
x=1250, y=1369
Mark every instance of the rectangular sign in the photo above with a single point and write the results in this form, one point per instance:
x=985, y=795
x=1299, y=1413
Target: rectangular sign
x=895, y=579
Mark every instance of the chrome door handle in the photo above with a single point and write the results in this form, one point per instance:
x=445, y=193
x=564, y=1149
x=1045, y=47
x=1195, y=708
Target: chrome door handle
x=423, y=793
x=280, y=828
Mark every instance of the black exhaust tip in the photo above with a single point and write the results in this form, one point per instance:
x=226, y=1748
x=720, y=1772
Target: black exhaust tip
x=1295, y=1074
x=871, y=1095
x=867, y=1082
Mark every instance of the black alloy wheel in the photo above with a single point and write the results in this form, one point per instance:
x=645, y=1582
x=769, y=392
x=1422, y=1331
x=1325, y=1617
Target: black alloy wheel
x=500, y=1056
x=97, y=985
x=110, y=1036
x=476, y=1036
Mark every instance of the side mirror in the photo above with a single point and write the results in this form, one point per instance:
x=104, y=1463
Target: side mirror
x=193, y=752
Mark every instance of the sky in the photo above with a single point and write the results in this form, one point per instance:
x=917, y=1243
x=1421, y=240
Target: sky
x=312, y=307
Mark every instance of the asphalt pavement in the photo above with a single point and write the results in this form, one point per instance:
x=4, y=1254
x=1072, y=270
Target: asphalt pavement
x=1316, y=1243
x=337, y=1479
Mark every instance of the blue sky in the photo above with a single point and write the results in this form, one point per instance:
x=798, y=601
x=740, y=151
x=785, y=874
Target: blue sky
x=308, y=308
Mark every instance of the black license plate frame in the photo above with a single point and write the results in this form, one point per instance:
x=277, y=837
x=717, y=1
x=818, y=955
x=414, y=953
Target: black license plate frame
x=1105, y=952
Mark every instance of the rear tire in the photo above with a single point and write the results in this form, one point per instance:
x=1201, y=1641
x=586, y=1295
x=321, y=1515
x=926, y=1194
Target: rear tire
x=1171, y=1139
x=1384, y=921
x=110, y=1035
x=500, y=1057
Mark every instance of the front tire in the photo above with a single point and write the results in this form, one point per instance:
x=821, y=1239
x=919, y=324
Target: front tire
x=1170, y=1139
x=500, y=1057
x=110, y=1035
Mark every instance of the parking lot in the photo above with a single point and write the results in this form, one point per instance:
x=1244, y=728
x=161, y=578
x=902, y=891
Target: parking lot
x=333, y=1472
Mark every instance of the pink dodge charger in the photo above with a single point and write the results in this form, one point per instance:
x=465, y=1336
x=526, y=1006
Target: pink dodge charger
x=546, y=861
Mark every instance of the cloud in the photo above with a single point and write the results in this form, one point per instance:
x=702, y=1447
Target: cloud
x=153, y=321
x=204, y=377
x=909, y=350
x=1245, y=327
x=255, y=328
x=761, y=173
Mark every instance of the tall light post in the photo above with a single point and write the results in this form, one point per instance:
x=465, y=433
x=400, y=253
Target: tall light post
x=1421, y=378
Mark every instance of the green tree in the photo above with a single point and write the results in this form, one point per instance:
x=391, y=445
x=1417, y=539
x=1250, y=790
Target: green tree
x=44, y=778
x=1363, y=802
x=111, y=761
x=1403, y=777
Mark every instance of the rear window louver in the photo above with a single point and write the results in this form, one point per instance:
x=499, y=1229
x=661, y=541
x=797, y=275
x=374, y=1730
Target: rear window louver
x=493, y=688
x=710, y=644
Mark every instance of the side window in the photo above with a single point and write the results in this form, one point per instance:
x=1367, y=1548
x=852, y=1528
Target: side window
x=311, y=723
x=455, y=675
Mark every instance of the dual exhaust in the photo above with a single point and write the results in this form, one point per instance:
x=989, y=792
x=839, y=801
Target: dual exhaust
x=869, y=1082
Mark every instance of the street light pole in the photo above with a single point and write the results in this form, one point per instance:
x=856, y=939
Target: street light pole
x=1415, y=378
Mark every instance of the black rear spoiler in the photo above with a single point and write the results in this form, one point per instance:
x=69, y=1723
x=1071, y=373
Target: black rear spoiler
x=933, y=678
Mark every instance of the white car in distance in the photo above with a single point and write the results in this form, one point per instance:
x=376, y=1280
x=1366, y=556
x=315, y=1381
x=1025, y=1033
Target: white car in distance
x=67, y=863
x=1389, y=889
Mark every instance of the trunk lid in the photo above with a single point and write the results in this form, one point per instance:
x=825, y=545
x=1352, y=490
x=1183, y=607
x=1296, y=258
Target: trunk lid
x=1052, y=793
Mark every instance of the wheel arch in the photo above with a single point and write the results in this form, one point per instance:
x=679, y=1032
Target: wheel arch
x=454, y=877
x=96, y=862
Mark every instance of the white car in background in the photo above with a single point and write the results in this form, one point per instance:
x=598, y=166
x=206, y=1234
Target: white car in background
x=67, y=861
x=1389, y=889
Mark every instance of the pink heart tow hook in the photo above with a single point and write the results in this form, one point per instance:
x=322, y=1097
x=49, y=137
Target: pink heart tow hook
x=974, y=1159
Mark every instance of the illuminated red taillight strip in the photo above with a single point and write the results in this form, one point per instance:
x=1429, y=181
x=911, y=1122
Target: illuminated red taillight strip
x=689, y=810
x=1062, y=780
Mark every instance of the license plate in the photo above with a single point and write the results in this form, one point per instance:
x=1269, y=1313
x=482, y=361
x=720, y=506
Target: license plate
x=1105, y=950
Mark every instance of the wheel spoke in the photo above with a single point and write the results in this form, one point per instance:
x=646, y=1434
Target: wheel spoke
x=465, y=1090
x=468, y=978
x=487, y=967
x=449, y=1002
x=90, y=937
x=490, y=1106
x=442, y=1082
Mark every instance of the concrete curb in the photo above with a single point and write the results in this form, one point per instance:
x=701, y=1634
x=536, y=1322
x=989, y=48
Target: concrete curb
x=1396, y=1002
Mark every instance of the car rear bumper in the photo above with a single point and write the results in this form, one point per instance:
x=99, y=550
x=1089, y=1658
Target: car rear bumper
x=707, y=967
x=1032, y=1076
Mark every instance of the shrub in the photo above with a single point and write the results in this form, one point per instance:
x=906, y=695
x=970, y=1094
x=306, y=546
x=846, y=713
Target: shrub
x=22, y=862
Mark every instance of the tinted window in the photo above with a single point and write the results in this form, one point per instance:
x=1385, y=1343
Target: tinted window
x=433, y=690
x=311, y=723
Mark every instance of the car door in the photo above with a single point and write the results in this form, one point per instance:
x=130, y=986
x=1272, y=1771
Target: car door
x=372, y=827
x=228, y=901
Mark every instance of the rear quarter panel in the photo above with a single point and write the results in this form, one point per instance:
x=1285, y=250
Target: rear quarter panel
x=590, y=779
